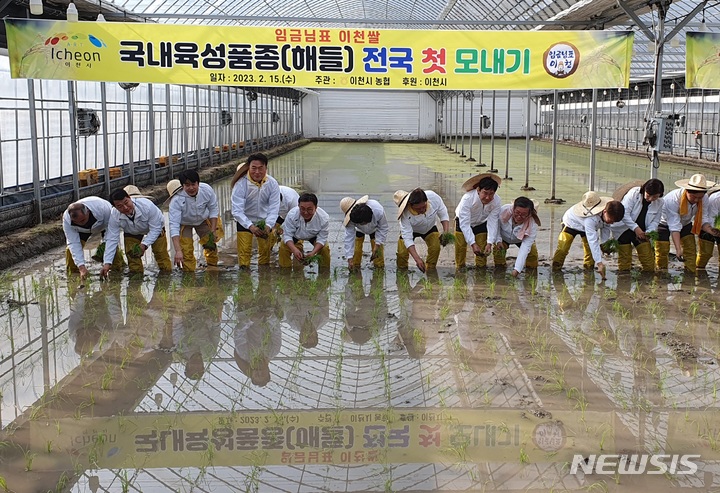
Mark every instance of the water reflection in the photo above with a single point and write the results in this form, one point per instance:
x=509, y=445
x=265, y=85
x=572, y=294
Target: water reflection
x=375, y=380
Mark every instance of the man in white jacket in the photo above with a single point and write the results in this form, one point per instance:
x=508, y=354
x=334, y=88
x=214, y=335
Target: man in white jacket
x=478, y=206
x=516, y=224
x=143, y=225
x=364, y=216
x=81, y=220
x=418, y=212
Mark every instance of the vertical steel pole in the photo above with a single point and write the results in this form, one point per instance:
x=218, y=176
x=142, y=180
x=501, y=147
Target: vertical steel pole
x=462, y=144
x=527, y=143
x=169, y=125
x=472, y=103
x=34, y=151
x=492, y=137
x=105, y=141
x=131, y=140
x=593, y=144
x=553, y=159
x=151, y=133
x=73, y=139
x=507, y=136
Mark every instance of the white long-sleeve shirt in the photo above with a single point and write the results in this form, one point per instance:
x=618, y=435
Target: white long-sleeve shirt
x=100, y=209
x=378, y=225
x=148, y=221
x=422, y=223
x=295, y=226
x=251, y=203
x=288, y=199
x=633, y=205
x=712, y=210
x=596, y=231
x=472, y=212
x=507, y=231
x=671, y=211
x=192, y=211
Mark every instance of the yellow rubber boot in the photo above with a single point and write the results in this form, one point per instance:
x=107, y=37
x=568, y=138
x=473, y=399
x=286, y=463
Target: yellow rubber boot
x=324, y=257
x=563, y=248
x=379, y=260
x=662, y=251
x=499, y=256
x=402, y=255
x=588, y=260
x=481, y=241
x=244, y=248
x=70, y=263
x=135, y=264
x=285, y=257
x=433, y=245
x=160, y=252
x=357, y=253
x=645, y=256
x=705, y=252
x=689, y=252
x=264, y=246
x=460, y=249
x=531, y=262
x=187, y=246
x=624, y=261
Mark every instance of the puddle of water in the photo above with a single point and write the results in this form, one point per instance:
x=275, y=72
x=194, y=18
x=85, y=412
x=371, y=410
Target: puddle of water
x=370, y=381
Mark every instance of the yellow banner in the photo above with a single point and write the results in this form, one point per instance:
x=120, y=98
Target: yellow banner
x=318, y=57
x=321, y=437
x=702, y=60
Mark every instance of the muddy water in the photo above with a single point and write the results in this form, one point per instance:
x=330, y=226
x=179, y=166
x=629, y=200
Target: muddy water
x=371, y=381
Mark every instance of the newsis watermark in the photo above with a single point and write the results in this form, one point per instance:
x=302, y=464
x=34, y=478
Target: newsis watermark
x=634, y=464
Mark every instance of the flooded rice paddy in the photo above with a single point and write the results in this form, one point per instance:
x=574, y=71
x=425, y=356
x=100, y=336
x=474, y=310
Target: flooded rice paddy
x=377, y=380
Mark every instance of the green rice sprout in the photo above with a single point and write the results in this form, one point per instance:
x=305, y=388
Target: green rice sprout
x=135, y=251
x=500, y=250
x=99, y=253
x=610, y=246
x=377, y=253
x=312, y=259
x=447, y=239
x=717, y=222
x=210, y=243
x=654, y=236
x=262, y=225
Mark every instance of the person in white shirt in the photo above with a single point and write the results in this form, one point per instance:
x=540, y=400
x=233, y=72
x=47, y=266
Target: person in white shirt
x=193, y=206
x=288, y=200
x=364, y=217
x=306, y=222
x=684, y=216
x=516, y=224
x=81, y=220
x=418, y=212
x=472, y=214
x=255, y=205
x=710, y=235
x=591, y=219
x=643, y=208
x=143, y=225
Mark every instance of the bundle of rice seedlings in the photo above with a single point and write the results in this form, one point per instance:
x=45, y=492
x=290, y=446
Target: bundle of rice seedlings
x=312, y=259
x=717, y=222
x=377, y=253
x=653, y=236
x=135, y=251
x=261, y=224
x=447, y=239
x=610, y=246
x=210, y=243
x=99, y=253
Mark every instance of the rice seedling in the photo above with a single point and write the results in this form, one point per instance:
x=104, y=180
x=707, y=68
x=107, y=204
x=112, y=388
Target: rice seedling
x=653, y=236
x=609, y=246
x=447, y=239
x=135, y=251
x=312, y=259
x=377, y=253
x=99, y=252
x=210, y=243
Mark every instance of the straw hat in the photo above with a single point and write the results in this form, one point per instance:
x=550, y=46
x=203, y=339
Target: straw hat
x=400, y=197
x=134, y=192
x=591, y=204
x=241, y=171
x=696, y=183
x=622, y=191
x=173, y=188
x=347, y=204
x=472, y=182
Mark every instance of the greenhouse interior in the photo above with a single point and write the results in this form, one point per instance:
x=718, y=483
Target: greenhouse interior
x=244, y=337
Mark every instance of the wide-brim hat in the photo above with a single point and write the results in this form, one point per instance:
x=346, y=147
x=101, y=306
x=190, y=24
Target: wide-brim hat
x=348, y=203
x=401, y=197
x=591, y=204
x=241, y=171
x=696, y=183
x=621, y=192
x=134, y=192
x=472, y=182
x=173, y=188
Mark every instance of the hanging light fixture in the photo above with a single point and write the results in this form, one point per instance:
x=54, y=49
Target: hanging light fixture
x=36, y=7
x=101, y=18
x=72, y=13
x=703, y=26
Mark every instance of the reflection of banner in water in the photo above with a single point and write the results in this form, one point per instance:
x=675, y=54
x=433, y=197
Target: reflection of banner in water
x=702, y=60
x=325, y=437
x=318, y=57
